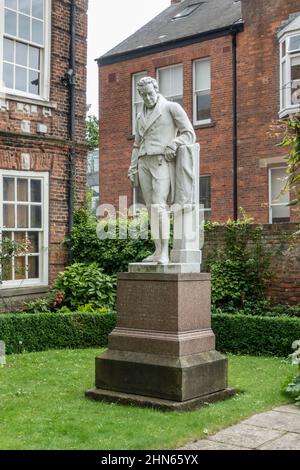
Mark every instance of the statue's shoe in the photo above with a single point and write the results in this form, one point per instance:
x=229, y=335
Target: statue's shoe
x=163, y=260
x=154, y=258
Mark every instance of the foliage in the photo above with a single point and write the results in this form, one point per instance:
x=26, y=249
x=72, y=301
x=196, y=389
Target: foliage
x=24, y=332
x=82, y=284
x=246, y=334
x=240, y=269
x=92, y=132
x=291, y=139
x=261, y=308
x=293, y=388
x=238, y=334
x=113, y=255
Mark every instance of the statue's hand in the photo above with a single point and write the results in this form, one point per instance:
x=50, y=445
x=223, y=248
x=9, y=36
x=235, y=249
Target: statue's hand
x=132, y=175
x=170, y=154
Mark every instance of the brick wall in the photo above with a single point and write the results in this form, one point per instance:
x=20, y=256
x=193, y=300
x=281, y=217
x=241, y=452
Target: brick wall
x=50, y=152
x=284, y=286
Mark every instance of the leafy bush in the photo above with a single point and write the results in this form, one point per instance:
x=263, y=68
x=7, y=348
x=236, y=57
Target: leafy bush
x=82, y=284
x=238, y=334
x=261, y=308
x=293, y=388
x=112, y=255
x=255, y=335
x=24, y=332
x=241, y=268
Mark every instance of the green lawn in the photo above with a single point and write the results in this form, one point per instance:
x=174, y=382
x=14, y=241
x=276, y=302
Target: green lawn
x=42, y=405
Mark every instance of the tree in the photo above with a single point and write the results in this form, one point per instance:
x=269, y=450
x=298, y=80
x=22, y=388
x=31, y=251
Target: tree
x=92, y=132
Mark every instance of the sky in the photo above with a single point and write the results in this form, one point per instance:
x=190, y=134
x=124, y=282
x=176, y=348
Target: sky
x=110, y=22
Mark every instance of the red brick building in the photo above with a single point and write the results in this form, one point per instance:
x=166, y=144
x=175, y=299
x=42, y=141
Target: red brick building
x=42, y=133
x=235, y=67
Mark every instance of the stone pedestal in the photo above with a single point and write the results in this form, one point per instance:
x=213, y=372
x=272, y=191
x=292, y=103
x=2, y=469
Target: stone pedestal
x=163, y=346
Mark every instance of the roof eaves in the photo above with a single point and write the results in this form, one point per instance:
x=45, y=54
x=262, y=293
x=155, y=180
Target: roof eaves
x=174, y=44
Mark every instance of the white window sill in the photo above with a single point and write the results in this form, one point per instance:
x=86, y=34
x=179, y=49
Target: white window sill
x=22, y=284
x=28, y=99
x=291, y=110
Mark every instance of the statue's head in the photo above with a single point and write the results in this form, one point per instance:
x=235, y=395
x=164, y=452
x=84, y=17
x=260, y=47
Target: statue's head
x=148, y=90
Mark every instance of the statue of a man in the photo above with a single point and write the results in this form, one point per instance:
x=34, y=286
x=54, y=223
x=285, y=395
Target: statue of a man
x=161, y=128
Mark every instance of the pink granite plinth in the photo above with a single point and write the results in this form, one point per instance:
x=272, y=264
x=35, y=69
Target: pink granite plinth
x=163, y=345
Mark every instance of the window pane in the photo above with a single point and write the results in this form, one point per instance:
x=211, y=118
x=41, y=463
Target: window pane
x=8, y=189
x=205, y=192
x=8, y=75
x=34, y=58
x=36, y=191
x=33, y=238
x=9, y=215
x=22, y=216
x=11, y=4
x=202, y=75
x=7, y=270
x=33, y=267
x=21, y=54
x=203, y=106
x=34, y=82
x=278, y=182
x=21, y=79
x=22, y=190
x=8, y=50
x=24, y=6
x=280, y=214
x=283, y=49
x=171, y=81
x=37, y=31
x=38, y=8
x=24, y=27
x=20, y=237
x=20, y=268
x=36, y=217
x=295, y=43
x=10, y=22
x=295, y=76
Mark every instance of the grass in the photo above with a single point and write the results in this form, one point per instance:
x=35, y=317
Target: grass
x=42, y=405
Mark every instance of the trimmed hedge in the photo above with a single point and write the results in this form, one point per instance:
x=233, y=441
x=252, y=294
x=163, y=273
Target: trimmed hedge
x=42, y=331
x=238, y=334
x=245, y=334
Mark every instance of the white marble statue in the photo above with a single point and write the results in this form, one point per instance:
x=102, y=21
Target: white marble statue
x=163, y=135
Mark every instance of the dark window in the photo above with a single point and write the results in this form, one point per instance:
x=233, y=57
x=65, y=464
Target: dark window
x=205, y=196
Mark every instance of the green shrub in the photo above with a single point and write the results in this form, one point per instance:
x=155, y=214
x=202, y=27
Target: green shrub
x=112, y=256
x=261, y=308
x=82, y=284
x=238, y=334
x=242, y=334
x=40, y=332
x=241, y=268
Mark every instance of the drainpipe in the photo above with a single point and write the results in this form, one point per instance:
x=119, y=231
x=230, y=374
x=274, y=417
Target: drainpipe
x=71, y=78
x=235, y=125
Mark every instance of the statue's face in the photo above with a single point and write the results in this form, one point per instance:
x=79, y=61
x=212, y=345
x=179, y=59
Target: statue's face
x=149, y=95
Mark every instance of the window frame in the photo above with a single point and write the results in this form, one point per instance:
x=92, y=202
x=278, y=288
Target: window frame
x=171, y=67
x=286, y=89
x=270, y=194
x=133, y=102
x=44, y=250
x=45, y=53
x=202, y=121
